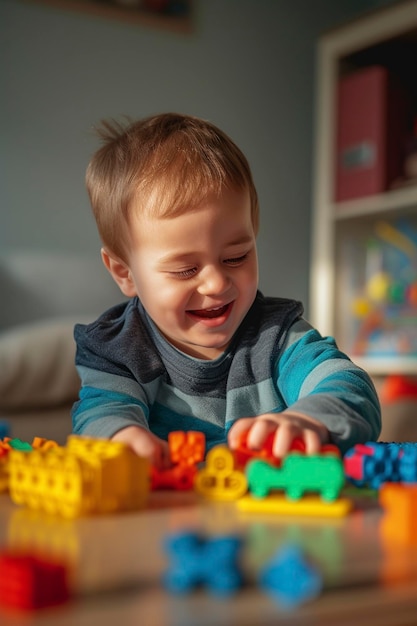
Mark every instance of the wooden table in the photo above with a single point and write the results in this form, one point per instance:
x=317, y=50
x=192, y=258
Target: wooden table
x=118, y=561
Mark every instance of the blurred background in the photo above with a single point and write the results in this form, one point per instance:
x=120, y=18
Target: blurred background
x=249, y=66
x=246, y=65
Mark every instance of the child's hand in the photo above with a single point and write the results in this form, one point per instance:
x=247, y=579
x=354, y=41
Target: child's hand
x=145, y=444
x=286, y=426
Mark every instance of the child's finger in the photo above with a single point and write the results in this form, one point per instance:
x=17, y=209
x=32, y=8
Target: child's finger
x=239, y=427
x=285, y=435
x=259, y=432
x=313, y=441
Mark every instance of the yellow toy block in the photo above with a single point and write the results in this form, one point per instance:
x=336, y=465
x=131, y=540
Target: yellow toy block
x=309, y=505
x=219, y=480
x=88, y=476
x=4, y=474
x=43, y=535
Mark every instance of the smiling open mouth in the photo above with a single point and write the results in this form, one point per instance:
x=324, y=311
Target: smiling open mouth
x=211, y=313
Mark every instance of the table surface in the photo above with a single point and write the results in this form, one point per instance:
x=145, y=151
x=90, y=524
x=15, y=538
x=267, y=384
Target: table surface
x=118, y=560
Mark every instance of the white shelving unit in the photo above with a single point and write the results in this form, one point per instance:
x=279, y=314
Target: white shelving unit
x=332, y=221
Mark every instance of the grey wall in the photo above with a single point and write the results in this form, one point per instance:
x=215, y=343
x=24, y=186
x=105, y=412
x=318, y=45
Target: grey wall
x=248, y=67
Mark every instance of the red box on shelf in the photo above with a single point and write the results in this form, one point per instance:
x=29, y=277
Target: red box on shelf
x=371, y=130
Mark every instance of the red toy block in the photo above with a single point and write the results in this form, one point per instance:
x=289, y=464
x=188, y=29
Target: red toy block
x=186, y=448
x=179, y=477
x=29, y=582
x=243, y=453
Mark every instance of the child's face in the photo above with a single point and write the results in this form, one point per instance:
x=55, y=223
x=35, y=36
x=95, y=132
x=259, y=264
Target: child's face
x=197, y=274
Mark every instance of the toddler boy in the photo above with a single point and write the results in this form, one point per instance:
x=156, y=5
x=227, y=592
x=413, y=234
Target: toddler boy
x=197, y=346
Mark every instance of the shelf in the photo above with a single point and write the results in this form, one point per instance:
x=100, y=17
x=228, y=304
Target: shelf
x=110, y=9
x=382, y=366
x=393, y=200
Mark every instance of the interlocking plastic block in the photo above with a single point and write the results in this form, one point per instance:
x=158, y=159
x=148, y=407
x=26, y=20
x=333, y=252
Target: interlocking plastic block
x=18, y=444
x=219, y=480
x=4, y=429
x=243, y=454
x=4, y=471
x=211, y=562
x=299, y=474
x=40, y=443
x=307, y=506
x=375, y=463
x=179, y=477
x=30, y=583
x=186, y=447
x=87, y=476
x=399, y=523
x=290, y=578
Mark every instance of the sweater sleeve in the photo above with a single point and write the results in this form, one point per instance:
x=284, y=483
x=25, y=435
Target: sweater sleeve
x=316, y=378
x=111, y=396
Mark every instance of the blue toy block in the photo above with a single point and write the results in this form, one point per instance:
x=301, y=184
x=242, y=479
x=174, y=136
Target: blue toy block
x=4, y=429
x=290, y=579
x=195, y=561
x=383, y=462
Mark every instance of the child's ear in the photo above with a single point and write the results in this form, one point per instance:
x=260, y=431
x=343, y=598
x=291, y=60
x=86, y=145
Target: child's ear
x=120, y=272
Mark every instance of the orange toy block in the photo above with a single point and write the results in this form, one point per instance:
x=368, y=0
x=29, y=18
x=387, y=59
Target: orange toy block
x=399, y=524
x=186, y=448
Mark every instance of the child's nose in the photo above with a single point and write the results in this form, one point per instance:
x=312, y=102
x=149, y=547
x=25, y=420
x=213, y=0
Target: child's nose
x=214, y=281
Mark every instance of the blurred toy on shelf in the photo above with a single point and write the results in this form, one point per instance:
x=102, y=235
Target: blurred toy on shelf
x=397, y=387
x=383, y=297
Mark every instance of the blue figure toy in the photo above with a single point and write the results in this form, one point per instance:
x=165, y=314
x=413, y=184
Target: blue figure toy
x=290, y=579
x=195, y=560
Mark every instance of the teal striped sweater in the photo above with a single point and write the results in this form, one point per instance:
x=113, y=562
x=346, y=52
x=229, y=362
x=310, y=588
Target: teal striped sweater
x=131, y=375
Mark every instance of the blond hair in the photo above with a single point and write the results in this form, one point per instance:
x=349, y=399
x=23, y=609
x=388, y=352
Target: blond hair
x=165, y=164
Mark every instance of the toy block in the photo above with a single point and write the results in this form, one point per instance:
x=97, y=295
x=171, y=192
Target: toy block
x=399, y=523
x=243, y=454
x=290, y=578
x=18, y=444
x=219, y=480
x=40, y=443
x=28, y=582
x=88, y=476
x=179, y=477
x=375, y=463
x=297, y=475
x=4, y=472
x=186, y=448
x=4, y=429
x=308, y=506
x=195, y=561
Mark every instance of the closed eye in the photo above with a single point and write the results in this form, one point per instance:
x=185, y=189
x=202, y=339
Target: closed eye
x=184, y=273
x=237, y=260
